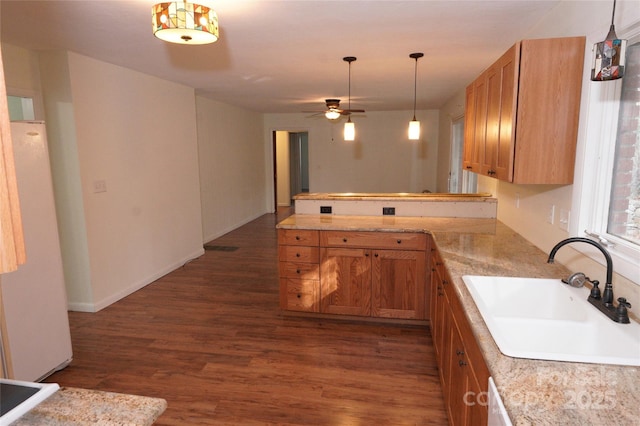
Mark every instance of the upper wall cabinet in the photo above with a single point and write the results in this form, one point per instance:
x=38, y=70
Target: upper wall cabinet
x=12, y=250
x=521, y=114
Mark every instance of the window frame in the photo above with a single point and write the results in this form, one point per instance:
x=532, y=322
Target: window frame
x=592, y=194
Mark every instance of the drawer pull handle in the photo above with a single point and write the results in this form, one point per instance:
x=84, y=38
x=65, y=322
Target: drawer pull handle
x=459, y=352
x=462, y=363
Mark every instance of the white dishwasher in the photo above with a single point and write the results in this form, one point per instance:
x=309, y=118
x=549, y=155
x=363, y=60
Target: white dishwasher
x=497, y=413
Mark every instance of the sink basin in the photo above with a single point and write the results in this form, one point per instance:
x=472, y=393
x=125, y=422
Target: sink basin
x=546, y=319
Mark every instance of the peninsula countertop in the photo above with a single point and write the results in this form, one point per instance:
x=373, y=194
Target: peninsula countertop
x=534, y=392
x=74, y=406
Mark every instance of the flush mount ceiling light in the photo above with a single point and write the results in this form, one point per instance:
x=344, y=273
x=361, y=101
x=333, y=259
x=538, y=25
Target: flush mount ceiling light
x=349, y=127
x=608, y=55
x=184, y=23
x=414, y=125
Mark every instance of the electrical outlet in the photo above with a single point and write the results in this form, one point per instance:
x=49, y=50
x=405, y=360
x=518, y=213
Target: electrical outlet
x=99, y=186
x=551, y=214
x=389, y=211
x=565, y=217
x=325, y=209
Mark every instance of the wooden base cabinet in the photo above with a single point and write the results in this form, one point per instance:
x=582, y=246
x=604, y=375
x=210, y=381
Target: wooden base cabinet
x=463, y=372
x=379, y=274
x=299, y=268
x=372, y=274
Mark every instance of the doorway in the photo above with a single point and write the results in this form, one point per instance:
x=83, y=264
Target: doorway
x=460, y=180
x=291, y=166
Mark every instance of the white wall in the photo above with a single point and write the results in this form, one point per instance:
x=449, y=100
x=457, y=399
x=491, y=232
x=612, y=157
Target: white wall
x=381, y=159
x=232, y=166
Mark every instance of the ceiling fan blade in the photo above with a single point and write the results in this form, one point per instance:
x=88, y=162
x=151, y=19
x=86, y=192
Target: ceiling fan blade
x=354, y=110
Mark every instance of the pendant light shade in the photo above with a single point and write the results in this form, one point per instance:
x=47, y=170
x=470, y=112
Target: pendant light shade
x=349, y=130
x=414, y=125
x=414, y=130
x=184, y=23
x=609, y=55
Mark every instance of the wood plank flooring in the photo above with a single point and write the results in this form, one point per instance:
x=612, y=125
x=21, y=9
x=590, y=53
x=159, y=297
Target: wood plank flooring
x=210, y=339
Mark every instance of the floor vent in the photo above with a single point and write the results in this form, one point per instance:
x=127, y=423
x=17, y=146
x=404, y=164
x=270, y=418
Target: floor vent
x=220, y=248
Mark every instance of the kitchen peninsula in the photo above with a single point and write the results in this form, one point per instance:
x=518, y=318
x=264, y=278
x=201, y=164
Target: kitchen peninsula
x=533, y=391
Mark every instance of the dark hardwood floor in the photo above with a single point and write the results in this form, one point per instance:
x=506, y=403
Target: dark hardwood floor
x=210, y=339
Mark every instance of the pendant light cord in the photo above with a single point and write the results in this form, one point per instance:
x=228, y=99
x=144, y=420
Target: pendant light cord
x=613, y=14
x=415, y=56
x=415, y=88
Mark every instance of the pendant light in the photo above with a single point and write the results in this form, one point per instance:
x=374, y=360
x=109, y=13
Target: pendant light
x=414, y=125
x=349, y=126
x=608, y=55
x=182, y=22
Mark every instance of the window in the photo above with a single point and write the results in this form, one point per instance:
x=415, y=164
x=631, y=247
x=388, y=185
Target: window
x=624, y=205
x=609, y=188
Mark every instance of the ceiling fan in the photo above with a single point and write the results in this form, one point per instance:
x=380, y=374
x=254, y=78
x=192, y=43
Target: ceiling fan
x=333, y=110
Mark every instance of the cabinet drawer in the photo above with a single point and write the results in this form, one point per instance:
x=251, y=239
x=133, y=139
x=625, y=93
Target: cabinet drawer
x=300, y=295
x=309, y=271
x=297, y=237
x=378, y=240
x=299, y=254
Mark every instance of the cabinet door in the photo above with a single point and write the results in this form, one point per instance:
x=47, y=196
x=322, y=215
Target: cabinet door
x=459, y=381
x=492, y=129
x=505, y=142
x=469, y=129
x=480, y=127
x=398, y=284
x=345, y=281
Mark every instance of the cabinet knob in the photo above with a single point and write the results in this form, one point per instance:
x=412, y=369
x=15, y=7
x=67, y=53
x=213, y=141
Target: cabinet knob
x=469, y=167
x=344, y=240
x=399, y=241
x=376, y=255
x=445, y=282
x=459, y=352
x=299, y=296
x=297, y=271
x=462, y=363
x=297, y=254
x=297, y=238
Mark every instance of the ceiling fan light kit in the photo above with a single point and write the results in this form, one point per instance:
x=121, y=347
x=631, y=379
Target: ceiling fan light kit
x=414, y=125
x=609, y=55
x=182, y=22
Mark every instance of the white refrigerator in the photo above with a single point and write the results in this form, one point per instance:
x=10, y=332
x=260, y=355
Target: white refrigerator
x=34, y=297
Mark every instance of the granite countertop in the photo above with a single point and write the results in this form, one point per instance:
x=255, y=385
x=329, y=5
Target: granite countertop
x=534, y=392
x=395, y=196
x=73, y=406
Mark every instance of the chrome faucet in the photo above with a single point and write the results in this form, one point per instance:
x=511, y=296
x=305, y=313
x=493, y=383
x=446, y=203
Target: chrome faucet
x=604, y=301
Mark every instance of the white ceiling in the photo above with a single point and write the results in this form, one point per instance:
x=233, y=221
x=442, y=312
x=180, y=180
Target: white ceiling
x=286, y=55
